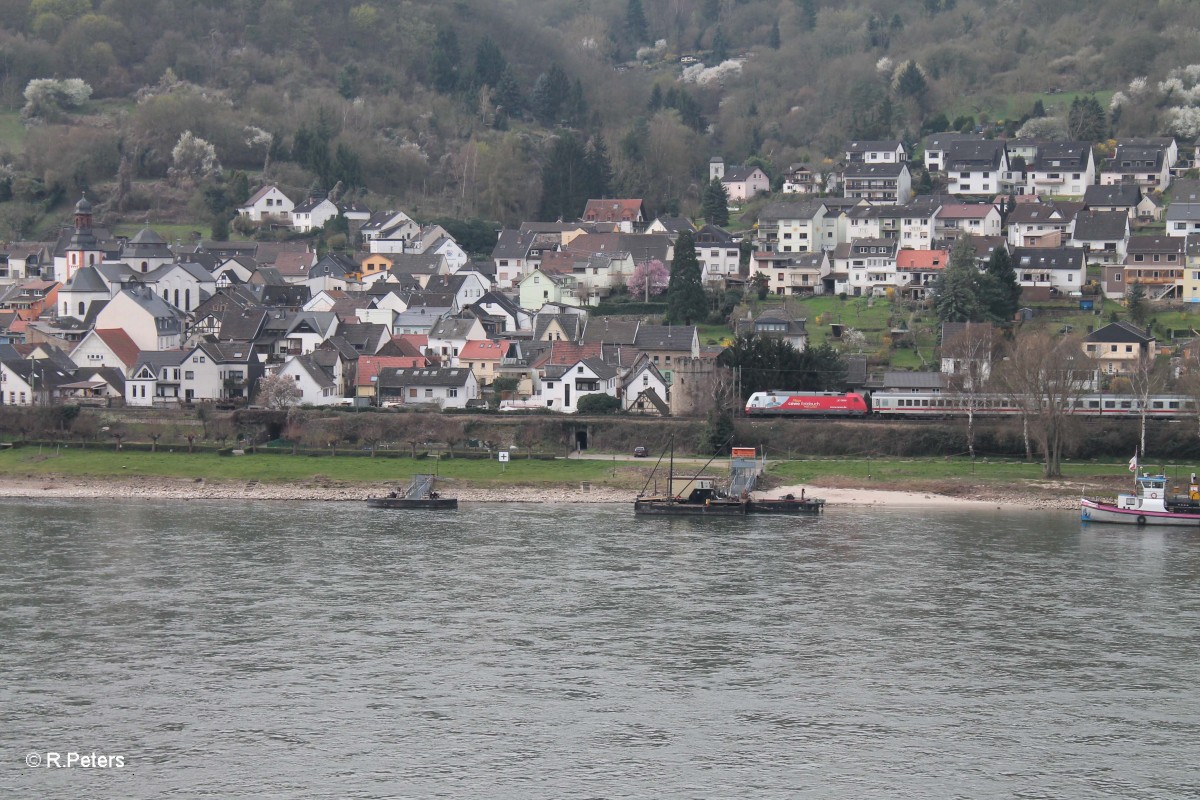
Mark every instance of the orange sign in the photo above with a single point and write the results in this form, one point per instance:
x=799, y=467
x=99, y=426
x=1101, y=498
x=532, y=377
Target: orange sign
x=744, y=452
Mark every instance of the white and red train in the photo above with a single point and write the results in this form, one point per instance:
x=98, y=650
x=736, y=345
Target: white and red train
x=915, y=405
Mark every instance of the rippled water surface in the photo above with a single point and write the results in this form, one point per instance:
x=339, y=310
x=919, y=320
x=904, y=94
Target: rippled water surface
x=524, y=651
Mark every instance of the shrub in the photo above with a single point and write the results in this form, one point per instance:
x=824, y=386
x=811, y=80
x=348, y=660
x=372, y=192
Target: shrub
x=598, y=404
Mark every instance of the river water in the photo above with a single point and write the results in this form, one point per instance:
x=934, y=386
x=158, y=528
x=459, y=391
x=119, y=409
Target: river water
x=529, y=651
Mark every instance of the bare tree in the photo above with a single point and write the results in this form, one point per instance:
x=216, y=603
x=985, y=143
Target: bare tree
x=371, y=429
x=1148, y=378
x=1046, y=374
x=155, y=432
x=968, y=351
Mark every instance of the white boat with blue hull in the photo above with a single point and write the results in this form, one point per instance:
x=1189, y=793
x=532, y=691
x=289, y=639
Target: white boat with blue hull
x=1151, y=503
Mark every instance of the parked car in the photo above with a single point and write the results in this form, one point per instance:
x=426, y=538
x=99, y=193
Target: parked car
x=640, y=452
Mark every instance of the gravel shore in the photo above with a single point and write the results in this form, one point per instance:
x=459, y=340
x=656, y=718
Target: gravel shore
x=199, y=489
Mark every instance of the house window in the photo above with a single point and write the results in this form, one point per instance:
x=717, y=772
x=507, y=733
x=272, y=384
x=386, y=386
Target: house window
x=189, y=376
x=452, y=393
x=412, y=392
x=429, y=392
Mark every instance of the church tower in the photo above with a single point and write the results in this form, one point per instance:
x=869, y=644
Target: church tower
x=82, y=249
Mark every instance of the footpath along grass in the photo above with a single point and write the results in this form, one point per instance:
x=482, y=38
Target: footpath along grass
x=286, y=468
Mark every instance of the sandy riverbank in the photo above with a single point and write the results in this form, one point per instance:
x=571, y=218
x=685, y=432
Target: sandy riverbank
x=66, y=487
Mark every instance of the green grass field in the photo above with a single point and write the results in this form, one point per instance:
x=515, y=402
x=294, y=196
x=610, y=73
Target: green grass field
x=286, y=468
x=169, y=231
x=950, y=475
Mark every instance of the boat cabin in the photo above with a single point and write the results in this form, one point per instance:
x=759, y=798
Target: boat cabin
x=1151, y=494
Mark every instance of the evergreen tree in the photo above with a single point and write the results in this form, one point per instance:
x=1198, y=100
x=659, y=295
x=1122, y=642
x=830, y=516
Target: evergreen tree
x=599, y=169
x=635, y=22
x=1002, y=291
x=490, y=65
x=1135, y=301
x=656, y=99
x=347, y=168
x=575, y=108
x=220, y=227
x=715, y=203
x=956, y=291
x=550, y=94
x=508, y=97
x=808, y=15
x=911, y=82
x=634, y=142
x=718, y=431
x=565, y=189
x=445, y=60
x=686, y=302
x=1087, y=120
x=773, y=38
x=767, y=363
x=720, y=47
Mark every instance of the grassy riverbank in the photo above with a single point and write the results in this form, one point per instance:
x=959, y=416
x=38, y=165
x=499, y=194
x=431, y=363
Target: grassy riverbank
x=286, y=468
x=951, y=476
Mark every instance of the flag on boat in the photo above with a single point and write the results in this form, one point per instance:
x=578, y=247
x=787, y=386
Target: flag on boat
x=1133, y=464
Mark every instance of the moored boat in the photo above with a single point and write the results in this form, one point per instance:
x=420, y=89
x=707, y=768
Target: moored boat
x=419, y=494
x=811, y=506
x=1151, y=503
x=694, y=496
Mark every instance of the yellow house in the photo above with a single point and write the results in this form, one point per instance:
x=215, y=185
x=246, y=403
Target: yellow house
x=374, y=264
x=1120, y=347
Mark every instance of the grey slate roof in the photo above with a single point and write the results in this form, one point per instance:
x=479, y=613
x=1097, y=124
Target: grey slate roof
x=1048, y=258
x=86, y=279
x=1117, y=194
x=974, y=156
x=146, y=244
x=424, y=376
x=608, y=330
x=1093, y=226
x=1065, y=156
x=157, y=359
x=875, y=170
x=602, y=370
x=912, y=380
x=1156, y=244
x=570, y=324
x=451, y=328
x=806, y=209
x=1183, y=212
x=1135, y=158
x=1121, y=331
x=665, y=337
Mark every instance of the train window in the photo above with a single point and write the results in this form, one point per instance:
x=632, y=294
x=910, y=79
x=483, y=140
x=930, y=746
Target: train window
x=1156, y=404
x=1093, y=404
x=1126, y=404
x=1110, y=404
x=1173, y=404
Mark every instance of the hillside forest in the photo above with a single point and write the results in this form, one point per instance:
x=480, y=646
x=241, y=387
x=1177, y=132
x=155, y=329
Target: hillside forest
x=502, y=111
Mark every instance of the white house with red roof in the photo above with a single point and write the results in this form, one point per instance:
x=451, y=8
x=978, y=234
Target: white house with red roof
x=916, y=270
x=106, y=347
